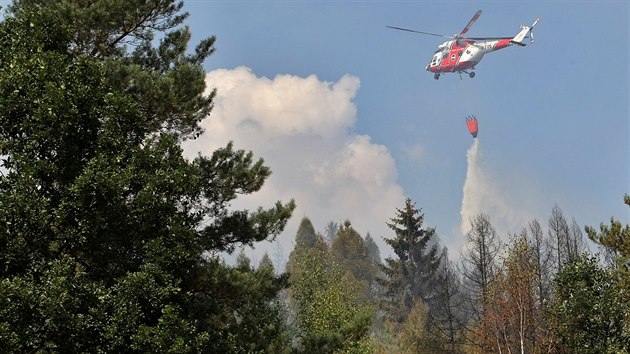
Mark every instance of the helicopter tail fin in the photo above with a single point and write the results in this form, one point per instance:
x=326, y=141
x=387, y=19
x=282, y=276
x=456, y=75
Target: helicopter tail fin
x=524, y=33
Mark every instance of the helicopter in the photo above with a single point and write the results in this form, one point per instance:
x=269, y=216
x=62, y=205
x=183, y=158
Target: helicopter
x=462, y=54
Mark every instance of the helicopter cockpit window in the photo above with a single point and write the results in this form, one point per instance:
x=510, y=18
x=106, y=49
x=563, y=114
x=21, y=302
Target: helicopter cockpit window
x=436, y=59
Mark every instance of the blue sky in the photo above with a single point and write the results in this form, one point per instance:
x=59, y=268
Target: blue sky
x=553, y=115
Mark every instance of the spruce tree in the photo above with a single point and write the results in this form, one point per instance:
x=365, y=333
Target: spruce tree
x=409, y=277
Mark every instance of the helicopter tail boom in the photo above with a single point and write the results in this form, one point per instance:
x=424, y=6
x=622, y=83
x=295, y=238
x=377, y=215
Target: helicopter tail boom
x=524, y=33
x=518, y=43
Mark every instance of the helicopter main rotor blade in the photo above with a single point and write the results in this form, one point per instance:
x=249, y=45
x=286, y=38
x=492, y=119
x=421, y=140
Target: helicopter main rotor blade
x=470, y=23
x=485, y=38
x=414, y=31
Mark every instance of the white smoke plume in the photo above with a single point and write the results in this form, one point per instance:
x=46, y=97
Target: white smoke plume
x=506, y=204
x=471, y=201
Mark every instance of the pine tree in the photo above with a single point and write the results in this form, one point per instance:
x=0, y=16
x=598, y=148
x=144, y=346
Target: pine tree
x=615, y=238
x=109, y=232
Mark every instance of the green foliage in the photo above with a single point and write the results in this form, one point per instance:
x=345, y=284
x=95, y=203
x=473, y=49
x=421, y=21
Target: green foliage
x=587, y=310
x=266, y=263
x=100, y=27
x=107, y=229
x=306, y=236
x=414, y=336
x=241, y=306
x=384, y=338
x=350, y=253
x=616, y=241
x=512, y=320
x=332, y=308
x=306, y=241
x=616, y=238
x=242, y=261
x=43, y=313
x=165, y=81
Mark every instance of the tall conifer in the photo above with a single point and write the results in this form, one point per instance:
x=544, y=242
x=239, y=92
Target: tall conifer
x=410, y=276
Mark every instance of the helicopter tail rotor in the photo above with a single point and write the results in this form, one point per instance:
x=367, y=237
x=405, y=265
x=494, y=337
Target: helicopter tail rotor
x=531, y=31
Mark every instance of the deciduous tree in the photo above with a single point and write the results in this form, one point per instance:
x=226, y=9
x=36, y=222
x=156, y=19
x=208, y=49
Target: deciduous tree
x=513, y=316
x=478, y=269
x=568, y=241
x=587, y=312
x=542, y=258
x=350, y=253
x=479, y=262
x=448, y=317
x=331, y=306
x=414, y=336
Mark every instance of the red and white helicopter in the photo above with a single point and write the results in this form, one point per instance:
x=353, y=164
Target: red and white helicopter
x=461, y=54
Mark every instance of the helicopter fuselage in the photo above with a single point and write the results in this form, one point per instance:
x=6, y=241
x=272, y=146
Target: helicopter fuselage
x=461, y=55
